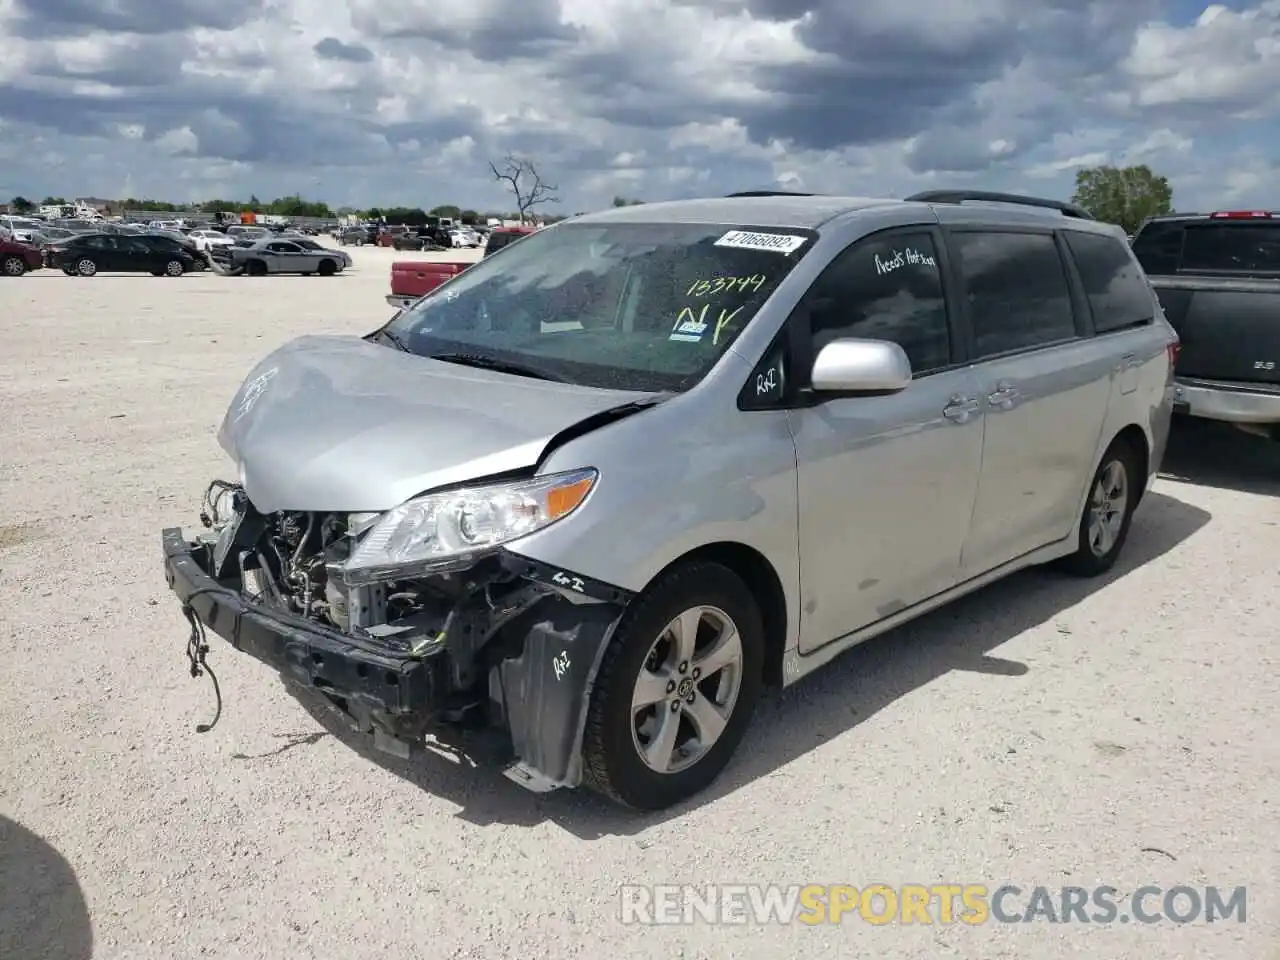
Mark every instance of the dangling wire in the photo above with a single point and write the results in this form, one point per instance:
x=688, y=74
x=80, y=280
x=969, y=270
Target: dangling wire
x=197, y=651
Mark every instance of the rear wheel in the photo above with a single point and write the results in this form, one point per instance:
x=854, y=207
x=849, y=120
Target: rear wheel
x=1108, y=513
x=174, y=268
x=676, y=689
x=13, y=266
x=86, y=267
x=328, y=268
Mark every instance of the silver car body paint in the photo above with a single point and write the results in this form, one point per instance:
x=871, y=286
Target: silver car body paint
x=870, y=510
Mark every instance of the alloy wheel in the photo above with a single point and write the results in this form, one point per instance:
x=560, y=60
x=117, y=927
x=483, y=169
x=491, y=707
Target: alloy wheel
x=1107, y=506
x=687, y=689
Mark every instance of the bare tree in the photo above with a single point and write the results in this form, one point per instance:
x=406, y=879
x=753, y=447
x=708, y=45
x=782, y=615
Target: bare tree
x=522, y=177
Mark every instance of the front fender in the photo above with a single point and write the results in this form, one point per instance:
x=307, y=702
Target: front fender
x=545, y=688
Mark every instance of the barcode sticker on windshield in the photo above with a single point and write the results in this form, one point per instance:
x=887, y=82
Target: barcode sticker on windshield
x=776, y=242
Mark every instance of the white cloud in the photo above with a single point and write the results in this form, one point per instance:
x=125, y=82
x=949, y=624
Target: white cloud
x=365, y=101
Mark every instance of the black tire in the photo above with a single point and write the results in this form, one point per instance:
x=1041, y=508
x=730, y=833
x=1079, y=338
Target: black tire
x=1091, y=558
x=328, y=268
x=86, y=267
x=157, y=273
x=611, y=761
x=174, y=268
x=69, y=271
x=255, y=268
x=13, y=266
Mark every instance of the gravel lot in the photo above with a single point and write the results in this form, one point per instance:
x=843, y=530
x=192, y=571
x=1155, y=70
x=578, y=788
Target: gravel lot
x=1044, y=731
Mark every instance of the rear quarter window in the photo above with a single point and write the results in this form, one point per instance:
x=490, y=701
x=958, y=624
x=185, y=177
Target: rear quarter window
x=1119, y=296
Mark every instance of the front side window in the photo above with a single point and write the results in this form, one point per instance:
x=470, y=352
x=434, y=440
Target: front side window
x=885, y=288
x=1016, y=289
x=629, y=306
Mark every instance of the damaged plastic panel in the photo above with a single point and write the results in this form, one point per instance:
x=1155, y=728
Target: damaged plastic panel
x=511, y=642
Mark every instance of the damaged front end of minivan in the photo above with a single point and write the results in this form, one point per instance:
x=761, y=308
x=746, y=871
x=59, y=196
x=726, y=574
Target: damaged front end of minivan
x=488, y=639
x=413, y=614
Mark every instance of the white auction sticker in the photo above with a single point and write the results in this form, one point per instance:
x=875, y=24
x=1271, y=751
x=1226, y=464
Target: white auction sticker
x=776, y=242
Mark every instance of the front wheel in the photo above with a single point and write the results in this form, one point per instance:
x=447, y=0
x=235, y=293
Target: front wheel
x=1107, y=514
x=328, y=268
x=86, y=267
x=14, y=266
x=173, y=268
x=676, y=689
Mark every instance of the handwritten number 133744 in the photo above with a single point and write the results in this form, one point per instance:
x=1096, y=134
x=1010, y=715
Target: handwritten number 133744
x=709, y=288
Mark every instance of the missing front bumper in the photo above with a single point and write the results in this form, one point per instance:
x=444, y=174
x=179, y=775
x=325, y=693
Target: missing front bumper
x=378, y=681
x=539, y=675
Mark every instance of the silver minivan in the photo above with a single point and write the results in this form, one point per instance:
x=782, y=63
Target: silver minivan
x=602, y=487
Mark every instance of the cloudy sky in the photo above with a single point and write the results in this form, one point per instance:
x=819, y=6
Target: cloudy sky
x=386, y=102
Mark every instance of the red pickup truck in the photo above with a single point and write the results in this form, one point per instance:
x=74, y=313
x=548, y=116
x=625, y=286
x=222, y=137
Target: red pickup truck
x=412, y=279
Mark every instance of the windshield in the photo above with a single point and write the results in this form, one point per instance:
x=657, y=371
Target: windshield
x=622, y=306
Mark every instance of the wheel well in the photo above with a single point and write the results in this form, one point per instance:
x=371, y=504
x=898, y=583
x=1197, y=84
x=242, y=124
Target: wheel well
x=1133, y=437
x=762, y=580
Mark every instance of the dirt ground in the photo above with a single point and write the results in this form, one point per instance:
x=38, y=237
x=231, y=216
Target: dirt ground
x=1043, y=732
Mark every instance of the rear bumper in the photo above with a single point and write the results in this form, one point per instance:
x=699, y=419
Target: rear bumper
x=1229, y=402
x=400, y=302
x=377, y=680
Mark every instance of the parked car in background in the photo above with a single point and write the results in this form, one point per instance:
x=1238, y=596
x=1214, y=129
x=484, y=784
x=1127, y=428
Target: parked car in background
x=17, y=258
x=243, y=232
x=353, y=236
x=1218, y=278
x=50, y=234
x=272, y=255
x=848, y=412
x=503, y=236
x=462, y=237
x=21, y=229
x=88, y=254
x=205, y=239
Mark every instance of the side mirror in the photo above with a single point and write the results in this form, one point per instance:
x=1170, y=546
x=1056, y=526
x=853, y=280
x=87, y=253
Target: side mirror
x=861, y=366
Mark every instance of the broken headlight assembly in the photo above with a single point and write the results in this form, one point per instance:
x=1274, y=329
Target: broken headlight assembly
x=452, y=529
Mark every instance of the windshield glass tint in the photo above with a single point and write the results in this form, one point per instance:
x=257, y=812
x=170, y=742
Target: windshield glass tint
x=625, y=306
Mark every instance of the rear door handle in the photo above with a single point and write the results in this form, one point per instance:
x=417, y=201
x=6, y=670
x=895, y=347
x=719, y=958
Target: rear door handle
x=1128, y=361
x=960, y=409
x=1005, y=396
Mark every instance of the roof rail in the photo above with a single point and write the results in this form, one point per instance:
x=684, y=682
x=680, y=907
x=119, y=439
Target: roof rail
x=960, y=196
x=768, y=193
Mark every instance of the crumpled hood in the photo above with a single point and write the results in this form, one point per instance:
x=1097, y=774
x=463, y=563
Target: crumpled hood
x=339, y=424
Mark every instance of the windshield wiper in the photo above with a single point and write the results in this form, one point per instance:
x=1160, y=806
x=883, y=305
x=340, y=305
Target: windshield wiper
x=394, y=339
x=492, y=363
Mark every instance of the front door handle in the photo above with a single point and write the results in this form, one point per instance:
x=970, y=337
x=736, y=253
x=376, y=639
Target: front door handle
x=960, y=409
x=1005, y=396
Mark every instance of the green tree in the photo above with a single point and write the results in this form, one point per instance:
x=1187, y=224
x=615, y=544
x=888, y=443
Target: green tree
x=469, y=217
x=50, y=201
x=1123, y=195
x=21, y=205
x=409, y=216
x=624, y=202
x=452, y=212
